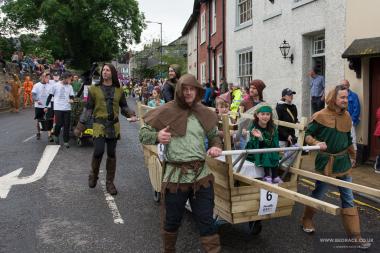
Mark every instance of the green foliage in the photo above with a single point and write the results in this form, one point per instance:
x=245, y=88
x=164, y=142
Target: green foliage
x=81, y=30
x=6, y=47
x=148, y=60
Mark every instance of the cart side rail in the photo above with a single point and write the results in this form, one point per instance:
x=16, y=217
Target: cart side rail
x=289, y=194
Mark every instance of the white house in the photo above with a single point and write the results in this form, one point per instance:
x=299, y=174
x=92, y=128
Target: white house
x=314, y=29
x=239, y=41
x=191, y=32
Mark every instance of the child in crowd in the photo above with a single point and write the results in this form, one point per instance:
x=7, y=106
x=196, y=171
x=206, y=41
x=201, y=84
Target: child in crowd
x=223, y=107
x=28, y=86
x=264, y=134
x=155, y=99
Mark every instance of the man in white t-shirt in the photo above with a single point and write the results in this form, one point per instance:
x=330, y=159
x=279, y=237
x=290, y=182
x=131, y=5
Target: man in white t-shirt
x=63, y=98
x=40, y=93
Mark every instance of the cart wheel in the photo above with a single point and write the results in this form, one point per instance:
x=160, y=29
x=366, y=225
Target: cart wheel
x=157, y=196
x=79, y=142
x=255, y=227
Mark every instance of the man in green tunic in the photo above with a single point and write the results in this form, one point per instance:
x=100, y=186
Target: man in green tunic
x=104, y=101
x=182, y=125
x=330, y=128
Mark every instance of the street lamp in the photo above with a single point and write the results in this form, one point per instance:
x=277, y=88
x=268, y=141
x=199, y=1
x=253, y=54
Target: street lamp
x=285, y=48
x=153, y=22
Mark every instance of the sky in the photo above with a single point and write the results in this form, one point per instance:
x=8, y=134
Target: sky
x=173, y=14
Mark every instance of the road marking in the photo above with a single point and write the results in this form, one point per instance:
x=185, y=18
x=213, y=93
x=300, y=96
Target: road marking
x=117, y=219
x=337, y=194
x=10, y=179
x=28, y=139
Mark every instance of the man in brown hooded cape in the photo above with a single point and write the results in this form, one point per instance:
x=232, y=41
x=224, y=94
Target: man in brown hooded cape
x=330, y=128
x=182, y=125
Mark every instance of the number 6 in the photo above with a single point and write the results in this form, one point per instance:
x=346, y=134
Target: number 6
x=269, y=196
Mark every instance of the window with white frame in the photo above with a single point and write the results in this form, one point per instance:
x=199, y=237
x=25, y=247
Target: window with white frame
x=195, y=38
x=319, y=45
x=213, y=17
x=203, y=73
x=220, y=67
x=212, y=69
x=203, y=27
x=244, y=8
x=245, y=68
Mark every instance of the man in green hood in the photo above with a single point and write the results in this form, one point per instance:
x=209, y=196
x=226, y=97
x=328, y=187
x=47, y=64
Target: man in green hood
x=181, y=125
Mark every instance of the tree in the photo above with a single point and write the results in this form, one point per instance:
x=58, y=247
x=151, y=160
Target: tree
x=6, y=47
x=81, y=30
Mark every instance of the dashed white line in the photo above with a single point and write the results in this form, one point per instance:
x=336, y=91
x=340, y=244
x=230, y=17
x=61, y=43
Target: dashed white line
x=117, y=219
x=28, y=139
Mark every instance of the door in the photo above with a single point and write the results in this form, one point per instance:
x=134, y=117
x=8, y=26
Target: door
x=375, y=103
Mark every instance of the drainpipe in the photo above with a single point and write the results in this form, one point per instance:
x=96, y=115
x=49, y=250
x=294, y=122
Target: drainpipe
x=198, y=47
x=224, y=39
x=209, y=48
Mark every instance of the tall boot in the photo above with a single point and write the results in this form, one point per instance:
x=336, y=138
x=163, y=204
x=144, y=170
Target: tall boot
x=93, y=177
x=211, y=243
x=307, y=220
x=169, y=239
x=111, y=170
x=351, y=224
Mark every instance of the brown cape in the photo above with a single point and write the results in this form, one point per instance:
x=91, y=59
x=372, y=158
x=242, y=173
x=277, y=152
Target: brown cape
x=175, y=113
x=332, y=116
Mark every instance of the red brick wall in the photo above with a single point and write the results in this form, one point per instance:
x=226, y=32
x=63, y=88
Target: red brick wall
x=216, y=39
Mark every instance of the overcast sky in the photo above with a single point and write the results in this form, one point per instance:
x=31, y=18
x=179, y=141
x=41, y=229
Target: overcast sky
x=173, y=15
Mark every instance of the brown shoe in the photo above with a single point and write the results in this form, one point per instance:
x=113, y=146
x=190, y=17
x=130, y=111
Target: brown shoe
x=211, y=243
x=93, y=177
x=169, y=239
x=111, y=171
x=351, y=224
x=307, y=220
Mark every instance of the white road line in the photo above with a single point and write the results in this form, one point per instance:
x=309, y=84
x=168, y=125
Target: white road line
x=28, y=139
x=117, y=219
x=10, y=179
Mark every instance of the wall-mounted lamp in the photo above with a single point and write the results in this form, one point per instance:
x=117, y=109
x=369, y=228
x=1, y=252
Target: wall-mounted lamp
x=285, y=48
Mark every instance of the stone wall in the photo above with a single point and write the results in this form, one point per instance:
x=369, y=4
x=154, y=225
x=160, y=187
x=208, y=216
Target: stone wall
x=4, y=101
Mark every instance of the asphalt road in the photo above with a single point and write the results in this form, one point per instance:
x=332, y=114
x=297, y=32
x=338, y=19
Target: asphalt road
x=59, y=213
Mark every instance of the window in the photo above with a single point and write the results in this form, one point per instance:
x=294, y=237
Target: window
x=213, y=17
x=212, y=68
x=245, y=68
x=319, y=45
x=220, y=67
x=195, y=38
x=244, y=11
x=203, y=73
x=203, y=27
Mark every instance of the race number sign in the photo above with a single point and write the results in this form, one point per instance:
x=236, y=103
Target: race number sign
x=268, y=202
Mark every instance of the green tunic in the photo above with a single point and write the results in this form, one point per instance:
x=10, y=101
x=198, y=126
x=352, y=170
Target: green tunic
x=190, y=147
x=100, y=110
x=270, y=140
x=336, y=141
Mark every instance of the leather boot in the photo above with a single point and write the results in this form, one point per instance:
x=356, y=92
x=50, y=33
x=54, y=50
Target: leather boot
x=111, y=170
x=211, y=243
x=169, y=239
x=351, y=224
x=93, y=177
x=307, y=220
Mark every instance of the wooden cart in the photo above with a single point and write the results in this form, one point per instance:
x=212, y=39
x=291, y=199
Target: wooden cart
x=237, y=197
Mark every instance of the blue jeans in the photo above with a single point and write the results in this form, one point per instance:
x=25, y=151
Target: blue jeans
x=346, y=195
